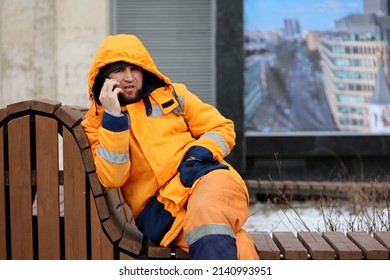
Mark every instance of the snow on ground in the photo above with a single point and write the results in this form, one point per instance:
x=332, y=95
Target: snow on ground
x=310, y=215
x=269, y=218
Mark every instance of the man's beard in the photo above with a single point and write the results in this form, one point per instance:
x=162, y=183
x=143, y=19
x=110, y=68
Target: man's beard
x=125, y=100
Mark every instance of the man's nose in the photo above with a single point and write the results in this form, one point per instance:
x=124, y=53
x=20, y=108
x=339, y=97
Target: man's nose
x=129, y=74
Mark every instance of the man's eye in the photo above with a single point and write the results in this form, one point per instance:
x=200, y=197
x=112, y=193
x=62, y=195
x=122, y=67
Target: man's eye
x=118, y=70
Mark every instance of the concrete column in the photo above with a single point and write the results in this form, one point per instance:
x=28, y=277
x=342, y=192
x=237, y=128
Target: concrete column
x=47, y=46
x=27, y=49
x=230, y=72
x=81, y=27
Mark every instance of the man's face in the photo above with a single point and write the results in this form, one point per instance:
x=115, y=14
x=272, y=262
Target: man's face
x=130, y=79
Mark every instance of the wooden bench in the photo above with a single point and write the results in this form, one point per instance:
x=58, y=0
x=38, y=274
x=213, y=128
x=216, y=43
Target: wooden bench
x=52, y=205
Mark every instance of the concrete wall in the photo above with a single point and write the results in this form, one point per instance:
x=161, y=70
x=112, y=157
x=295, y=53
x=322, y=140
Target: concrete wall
x=47, y=46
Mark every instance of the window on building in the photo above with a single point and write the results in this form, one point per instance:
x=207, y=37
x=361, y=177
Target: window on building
x=351, y=99
x=343, y=110
x=338, y=49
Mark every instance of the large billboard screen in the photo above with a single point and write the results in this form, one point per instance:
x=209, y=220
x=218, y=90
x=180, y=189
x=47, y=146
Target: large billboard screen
x=316, y=66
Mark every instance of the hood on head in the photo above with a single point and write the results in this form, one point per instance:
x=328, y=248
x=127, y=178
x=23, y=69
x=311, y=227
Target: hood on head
x=103, y=74
x=124, y=48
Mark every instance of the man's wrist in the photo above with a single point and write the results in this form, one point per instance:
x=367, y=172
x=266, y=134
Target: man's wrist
x=114, y=114
x=192, y=158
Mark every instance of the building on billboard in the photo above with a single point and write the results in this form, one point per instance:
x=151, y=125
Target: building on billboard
x=259, y=60
x=292, y=28
x=312, y=40
x=379, y=104
x=353, y=55
x=379, y=7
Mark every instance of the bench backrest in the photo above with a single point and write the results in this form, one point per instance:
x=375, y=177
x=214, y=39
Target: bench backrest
x=49, y=188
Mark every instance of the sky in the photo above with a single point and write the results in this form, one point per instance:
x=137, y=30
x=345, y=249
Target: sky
x=319, y=15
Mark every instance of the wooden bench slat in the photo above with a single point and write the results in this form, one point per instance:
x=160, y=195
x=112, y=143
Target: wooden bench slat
x=48, y=204
x=131, y=240
x=115, y=224
x=3, y=115
x=158, y=252
x=383, y=237
x=45, y=105
x=345, y=249
x=102, y=208
x=75, y=213
x=113, y=198
x=81, y=137
x=3, y=239
x=96, y=187
x=181, y=255
x=302, y=185
x=126, y=209
x=372, y=249
x=23, y=106
x=289, y=246
x=124, y=256
x=265, y=246
x=113, y=229
x=101, y=246
x=316, y=245
x=69, y=116
x=88, y=160
x=83, y=143
x=20, y=188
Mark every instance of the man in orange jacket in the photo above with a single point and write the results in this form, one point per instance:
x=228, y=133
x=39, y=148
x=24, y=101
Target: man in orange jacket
x=165, y=149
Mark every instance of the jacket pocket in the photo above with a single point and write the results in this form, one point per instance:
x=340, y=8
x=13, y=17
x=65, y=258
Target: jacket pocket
x=174, y=195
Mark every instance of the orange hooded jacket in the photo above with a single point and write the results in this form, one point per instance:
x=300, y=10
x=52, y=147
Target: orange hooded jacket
x=150, y=151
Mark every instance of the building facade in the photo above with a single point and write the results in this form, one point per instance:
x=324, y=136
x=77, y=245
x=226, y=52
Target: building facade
x=352, y=55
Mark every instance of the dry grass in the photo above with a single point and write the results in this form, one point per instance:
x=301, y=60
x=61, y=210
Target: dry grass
x=359, y=212
x=368, y=212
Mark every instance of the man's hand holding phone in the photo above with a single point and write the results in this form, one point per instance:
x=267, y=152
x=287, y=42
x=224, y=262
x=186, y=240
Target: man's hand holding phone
x=109, y=96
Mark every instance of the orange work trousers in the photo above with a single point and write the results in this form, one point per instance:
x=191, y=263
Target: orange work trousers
x=218, y=199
